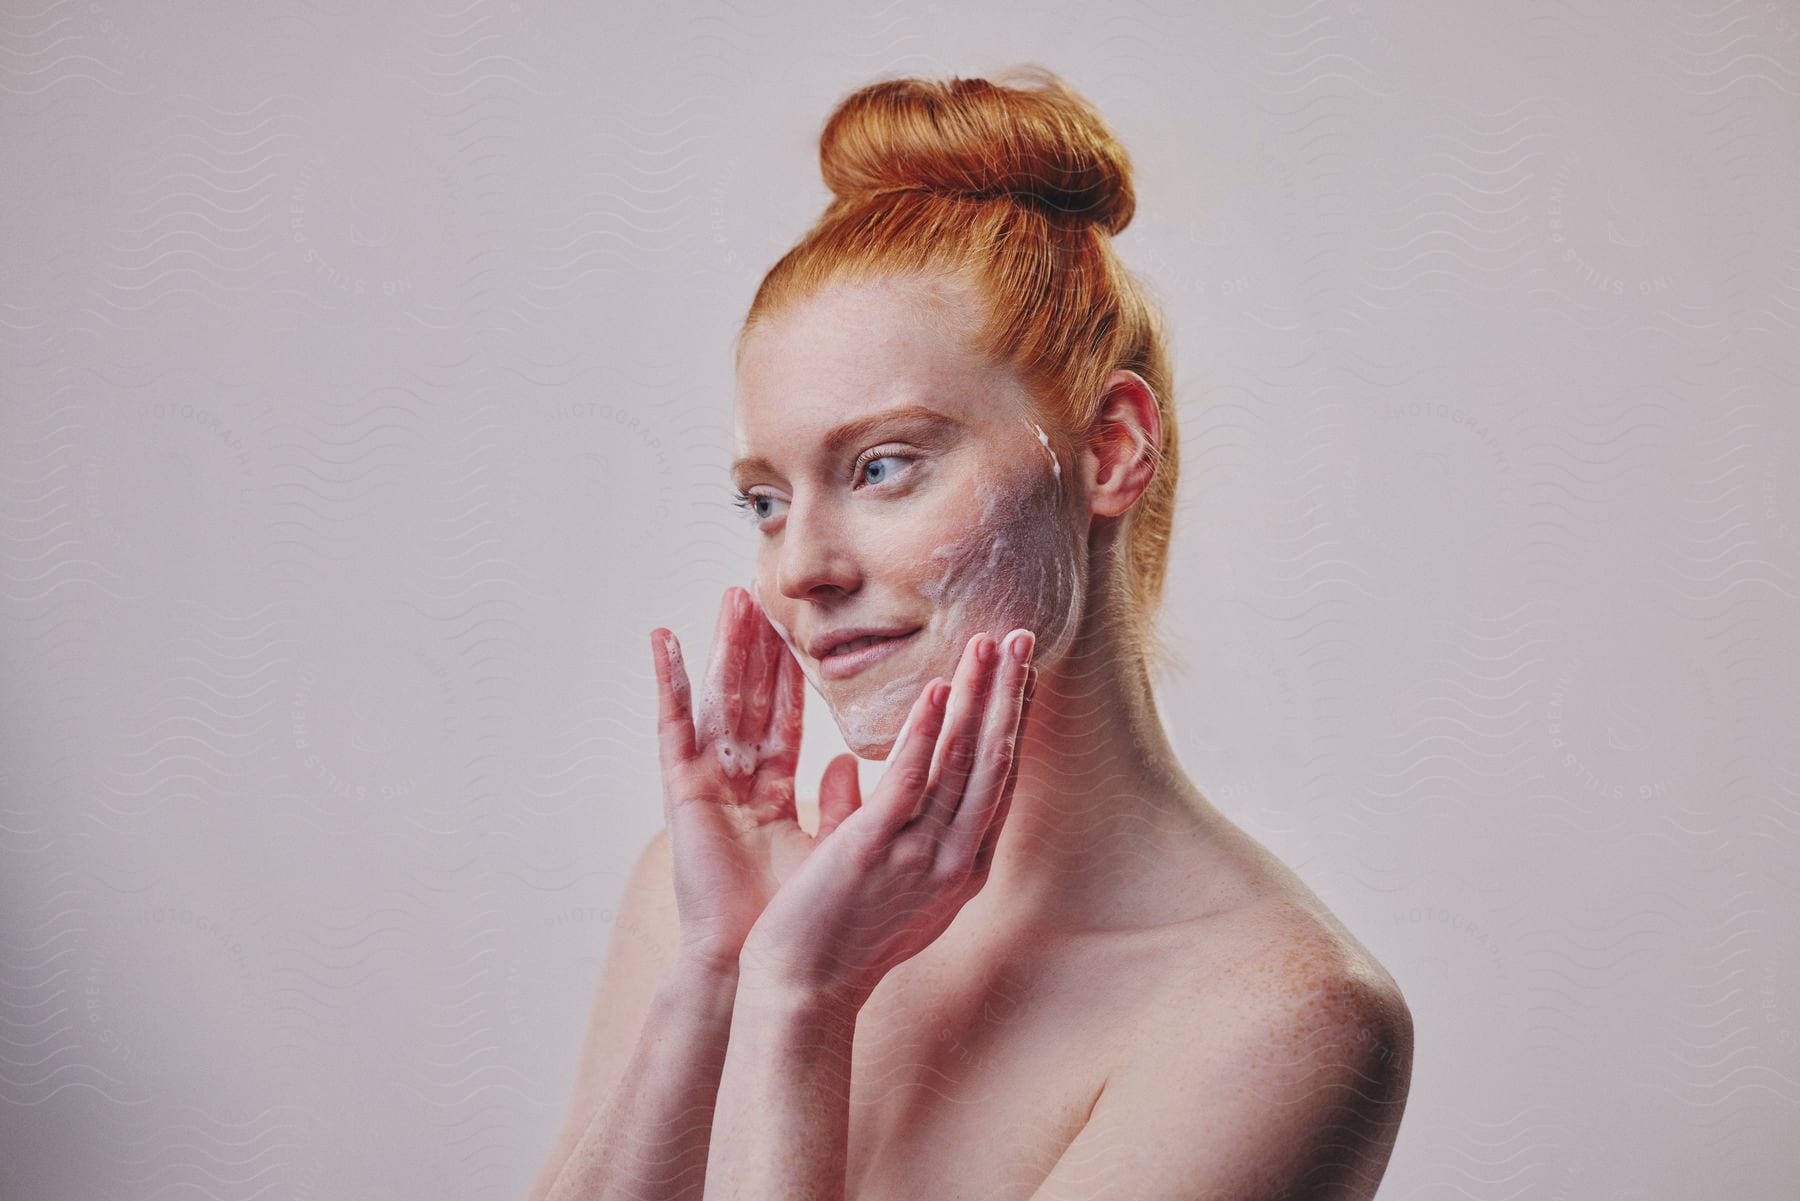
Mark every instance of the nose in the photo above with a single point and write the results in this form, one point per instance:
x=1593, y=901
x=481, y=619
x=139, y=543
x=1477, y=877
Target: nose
x=815, y=556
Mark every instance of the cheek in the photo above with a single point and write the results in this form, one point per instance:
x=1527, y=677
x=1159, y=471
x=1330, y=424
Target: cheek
x=1005, y=557
x=761, y=597
x=1018, y=563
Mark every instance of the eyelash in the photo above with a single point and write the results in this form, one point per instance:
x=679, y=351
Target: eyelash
x=747, y=500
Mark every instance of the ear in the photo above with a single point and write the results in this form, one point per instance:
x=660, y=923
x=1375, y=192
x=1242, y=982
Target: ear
x=1123, y=445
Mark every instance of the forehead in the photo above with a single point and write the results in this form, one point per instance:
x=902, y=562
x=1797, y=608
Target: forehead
x=856, y=348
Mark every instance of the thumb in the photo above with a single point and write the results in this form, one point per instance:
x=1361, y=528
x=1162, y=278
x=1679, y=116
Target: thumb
x=840, y=794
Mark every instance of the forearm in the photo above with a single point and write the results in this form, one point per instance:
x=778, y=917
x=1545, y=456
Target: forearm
x=649, y=1141
x=783, y=1114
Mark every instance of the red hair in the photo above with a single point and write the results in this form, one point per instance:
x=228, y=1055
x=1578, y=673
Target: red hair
x=1016, y=190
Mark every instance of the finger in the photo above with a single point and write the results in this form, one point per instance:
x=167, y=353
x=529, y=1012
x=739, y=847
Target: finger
x=896, y=799
x=759, y=674
x=787, y=713
x=961, y=739
x=840, y=794
x=708, y=716
x=674, y=697
x=738, y=667
x=990, y=837
x=994, y=752
x=719, y=701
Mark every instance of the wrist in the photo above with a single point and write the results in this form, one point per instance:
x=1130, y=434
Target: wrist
x=695, y=973
x=772, y=990
x=799, y=1025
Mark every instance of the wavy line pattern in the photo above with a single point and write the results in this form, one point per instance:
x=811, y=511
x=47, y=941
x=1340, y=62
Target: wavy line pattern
x=367, y=398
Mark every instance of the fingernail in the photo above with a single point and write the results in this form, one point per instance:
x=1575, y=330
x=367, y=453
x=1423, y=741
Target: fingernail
x=940, y=694
x=984, y=650
x=1022, y=642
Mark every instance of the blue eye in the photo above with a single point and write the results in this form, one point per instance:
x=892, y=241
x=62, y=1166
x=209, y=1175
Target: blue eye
x=751, y=503
x=748, y=502
x=881, y=475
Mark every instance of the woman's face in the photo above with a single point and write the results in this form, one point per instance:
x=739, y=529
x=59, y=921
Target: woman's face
x=896, y=480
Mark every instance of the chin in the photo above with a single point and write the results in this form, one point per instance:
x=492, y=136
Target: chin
x=875, y=750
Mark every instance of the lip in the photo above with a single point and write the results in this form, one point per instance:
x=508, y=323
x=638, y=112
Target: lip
x=836, y=667
x=821, y=644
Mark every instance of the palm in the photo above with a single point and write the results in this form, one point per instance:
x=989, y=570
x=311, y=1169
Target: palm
x=728, y=779
x=742, y=849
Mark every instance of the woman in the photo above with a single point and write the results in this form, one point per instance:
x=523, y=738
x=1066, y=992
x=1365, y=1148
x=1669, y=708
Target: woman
x=1035, y=961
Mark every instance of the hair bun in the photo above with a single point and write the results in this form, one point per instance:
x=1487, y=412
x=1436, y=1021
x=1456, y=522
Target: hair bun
x=1042, y=144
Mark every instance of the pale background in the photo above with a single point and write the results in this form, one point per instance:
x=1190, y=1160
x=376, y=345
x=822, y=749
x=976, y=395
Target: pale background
x=366, y=401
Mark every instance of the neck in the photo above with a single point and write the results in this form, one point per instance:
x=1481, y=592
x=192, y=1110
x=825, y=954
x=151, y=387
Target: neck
x=1099, y=792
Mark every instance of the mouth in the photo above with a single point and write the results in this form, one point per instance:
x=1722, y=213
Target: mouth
x=859, y=653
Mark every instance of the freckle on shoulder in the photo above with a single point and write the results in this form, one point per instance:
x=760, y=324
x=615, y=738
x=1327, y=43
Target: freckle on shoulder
x=1293, y=960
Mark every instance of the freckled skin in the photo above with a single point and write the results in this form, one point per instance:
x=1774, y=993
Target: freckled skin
x=978, y=538
x=1137, y=972
x=1016, y=566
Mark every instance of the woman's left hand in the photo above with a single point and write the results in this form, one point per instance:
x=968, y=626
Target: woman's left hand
x=897, y=869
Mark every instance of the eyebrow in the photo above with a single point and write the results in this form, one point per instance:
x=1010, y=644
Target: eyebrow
x=854, y=431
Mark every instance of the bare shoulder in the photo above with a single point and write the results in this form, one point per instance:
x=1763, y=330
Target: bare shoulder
x=1279, y=967
x=1275, y=954
x=1291, y=1016
x=1272, y=1057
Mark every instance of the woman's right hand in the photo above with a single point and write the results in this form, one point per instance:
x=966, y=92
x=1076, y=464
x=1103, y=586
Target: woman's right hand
x=728, y=778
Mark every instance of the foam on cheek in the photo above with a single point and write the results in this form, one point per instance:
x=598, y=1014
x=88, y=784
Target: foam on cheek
x=1017, y=564
x=863, y=722
x=793, y=647
x=870, y=720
